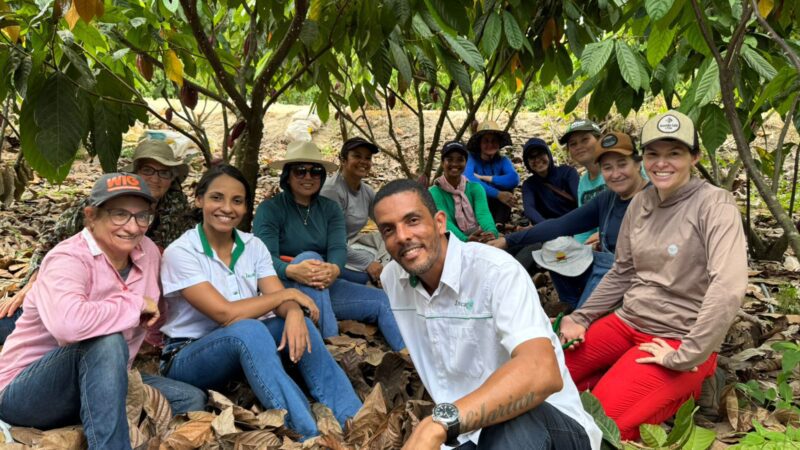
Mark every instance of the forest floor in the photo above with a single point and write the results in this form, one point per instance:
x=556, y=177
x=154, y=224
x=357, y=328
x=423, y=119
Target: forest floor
x=393, y=395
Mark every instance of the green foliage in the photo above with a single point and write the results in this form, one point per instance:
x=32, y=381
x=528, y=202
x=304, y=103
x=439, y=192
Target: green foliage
x=610, y=430
x=788, y=300
x=781, y=397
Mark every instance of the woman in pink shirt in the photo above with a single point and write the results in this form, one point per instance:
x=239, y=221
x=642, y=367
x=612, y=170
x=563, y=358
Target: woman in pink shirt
x=67, y=360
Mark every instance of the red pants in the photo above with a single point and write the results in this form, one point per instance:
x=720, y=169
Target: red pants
x=631, y=393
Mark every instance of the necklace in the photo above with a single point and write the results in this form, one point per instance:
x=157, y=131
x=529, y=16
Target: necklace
x=308, y=213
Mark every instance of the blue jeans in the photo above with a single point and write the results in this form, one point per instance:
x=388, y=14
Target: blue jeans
x=250, y=346
x=345, y=300
x=570, y=289
x=87, y=383
x=355, y=276
x=7, y=325
x=544, y=427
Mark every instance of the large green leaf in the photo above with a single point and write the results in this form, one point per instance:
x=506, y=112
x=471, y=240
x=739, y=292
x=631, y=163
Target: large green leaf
x=653, y=435
x=684, y=423
x=465, y=50
x=584, y=90
x=714, y=129
x=563, y=65
x=610, y=430
x=61, y=122
x=694, y=37
x=629, y=65
x=707, y=83
x=513, y=33
x=700, y=439
x=402, y=65
x=449, y=15
x=457, y=72
x=657, y=9
x=595, y=56
x=781, y=83
x=492, y=33
x=420, y=27
x=106, y=132
x=659, y=44
x=758, y=63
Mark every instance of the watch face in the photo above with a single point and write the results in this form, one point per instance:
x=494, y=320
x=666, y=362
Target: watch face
x=446, y=411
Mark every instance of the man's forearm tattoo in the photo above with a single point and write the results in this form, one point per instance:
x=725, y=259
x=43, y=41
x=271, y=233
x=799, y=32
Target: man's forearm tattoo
x=474, y=420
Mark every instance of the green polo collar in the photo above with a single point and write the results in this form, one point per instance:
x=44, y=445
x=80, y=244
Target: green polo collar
x=238, y=246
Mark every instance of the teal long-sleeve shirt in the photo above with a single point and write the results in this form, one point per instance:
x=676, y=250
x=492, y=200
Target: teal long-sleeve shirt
x=477, y=198
x=279, y=223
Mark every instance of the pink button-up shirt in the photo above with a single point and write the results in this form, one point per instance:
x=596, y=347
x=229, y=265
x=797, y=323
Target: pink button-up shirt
x=78, y=295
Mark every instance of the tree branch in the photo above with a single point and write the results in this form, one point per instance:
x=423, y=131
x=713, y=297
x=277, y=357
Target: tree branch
x=776, y=172
x=225, y=79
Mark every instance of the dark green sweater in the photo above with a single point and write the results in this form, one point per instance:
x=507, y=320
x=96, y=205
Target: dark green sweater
x=279, y=224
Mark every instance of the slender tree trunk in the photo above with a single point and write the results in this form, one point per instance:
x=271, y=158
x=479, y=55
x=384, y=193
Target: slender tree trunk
x=248, y=163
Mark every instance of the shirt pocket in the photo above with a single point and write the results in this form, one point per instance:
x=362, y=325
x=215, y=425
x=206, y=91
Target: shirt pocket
x=461, y=353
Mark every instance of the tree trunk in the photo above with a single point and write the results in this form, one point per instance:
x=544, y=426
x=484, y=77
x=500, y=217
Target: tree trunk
x=249, y=163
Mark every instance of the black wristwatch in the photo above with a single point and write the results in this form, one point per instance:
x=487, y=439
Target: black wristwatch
x=446, y=414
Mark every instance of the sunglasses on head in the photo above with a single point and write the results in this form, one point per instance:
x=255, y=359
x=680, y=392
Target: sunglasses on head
x=301, y=171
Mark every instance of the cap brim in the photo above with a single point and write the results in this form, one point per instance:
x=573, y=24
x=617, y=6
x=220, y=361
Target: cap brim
x=666, y=138
x=623, y=152
x=280, y=164
x=140, y=194
x=563, y=139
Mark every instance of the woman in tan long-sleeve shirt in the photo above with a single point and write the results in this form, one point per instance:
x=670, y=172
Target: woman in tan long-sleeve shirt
x=652, y=327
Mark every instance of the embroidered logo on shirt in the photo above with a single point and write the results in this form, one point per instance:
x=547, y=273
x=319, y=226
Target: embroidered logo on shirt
x=468, y=304
x=672, y=250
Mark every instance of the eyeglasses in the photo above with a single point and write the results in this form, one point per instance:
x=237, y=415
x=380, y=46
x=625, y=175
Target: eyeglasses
x=166, y=174
x=120, y=217
x=301, y=171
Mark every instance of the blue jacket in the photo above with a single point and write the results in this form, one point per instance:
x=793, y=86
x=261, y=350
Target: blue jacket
x=501, y=168
x=540, y=202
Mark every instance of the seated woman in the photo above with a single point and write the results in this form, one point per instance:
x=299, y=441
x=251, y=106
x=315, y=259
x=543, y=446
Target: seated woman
x=155, y=162
x=653, y=325
x=496, y=173
x=67, y=360
x=348, y=190
x=620, y=166
x=229, y=313
x=464, y=202
x=309, y=230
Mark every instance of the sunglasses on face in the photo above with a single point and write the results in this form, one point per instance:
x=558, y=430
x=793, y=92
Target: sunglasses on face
x=301, y=171
x=120, y=217
x=165, y=174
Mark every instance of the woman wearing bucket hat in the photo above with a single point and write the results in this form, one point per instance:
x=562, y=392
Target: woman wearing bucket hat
x=679, y=275
x=464, y=202
x=620, y=164
x=163, y=173
x=490, y=169
x=305, y=233
x=67, y=361
x=348, y=189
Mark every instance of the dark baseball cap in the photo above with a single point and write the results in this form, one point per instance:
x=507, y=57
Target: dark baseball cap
x=119, y=184
x=358, y=141
x=454, y=146
x=580, y=125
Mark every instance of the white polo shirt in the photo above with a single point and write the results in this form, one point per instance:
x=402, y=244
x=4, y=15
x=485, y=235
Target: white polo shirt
x=485, y=305
x=190, y=260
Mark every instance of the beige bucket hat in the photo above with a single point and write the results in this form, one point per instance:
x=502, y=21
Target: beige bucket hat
x=303, y=151
x=161, y=152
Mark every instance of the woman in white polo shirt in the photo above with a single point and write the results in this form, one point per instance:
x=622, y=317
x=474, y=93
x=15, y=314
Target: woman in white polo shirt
x=229, y=313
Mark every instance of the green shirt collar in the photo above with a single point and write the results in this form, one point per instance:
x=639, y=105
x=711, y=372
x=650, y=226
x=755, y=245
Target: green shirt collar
x=238, y=246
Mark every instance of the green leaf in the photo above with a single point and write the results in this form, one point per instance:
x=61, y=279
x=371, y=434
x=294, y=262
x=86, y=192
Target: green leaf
x=694, y=37
x=513, y=33
x=684, y=423
x=659, y=44
x=60, y=120
x=563, y=65
x=420, y=27
x=657, y=9
x=28, y=130
x=653, y=435
x=700, y=439
x=449, y=15
x=465, y=50
x=402, y=65
x=610, y=430
x=758, y=63
x=427, y=64
x=595, y=56
x=707, y=83
x=624, y=100
x=492, y=33
x=107, y=129
x=457, y=72
x=629, y=65
x=714, y=128
x=584, y=90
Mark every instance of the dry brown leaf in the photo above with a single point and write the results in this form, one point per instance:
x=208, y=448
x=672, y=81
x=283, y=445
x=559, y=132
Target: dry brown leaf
x=253, y=440
x=289, y=444
x=27, y=436
x=357, y=328
x=369, y=418
x=273, y=418
x=158, y=409
x=223, y=423
x=390, y=434
x=218, y=400
x=134, y=402
x=193, y=433
x=67, y=438
x=326, y=421
x=13, y=446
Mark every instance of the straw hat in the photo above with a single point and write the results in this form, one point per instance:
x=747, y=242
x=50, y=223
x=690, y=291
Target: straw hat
x=486, y=127
x=303, y=151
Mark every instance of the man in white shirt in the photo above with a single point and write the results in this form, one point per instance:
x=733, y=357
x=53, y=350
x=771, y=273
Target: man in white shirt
x=477, y=335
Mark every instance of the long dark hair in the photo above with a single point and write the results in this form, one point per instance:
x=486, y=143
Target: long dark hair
x=216, y=171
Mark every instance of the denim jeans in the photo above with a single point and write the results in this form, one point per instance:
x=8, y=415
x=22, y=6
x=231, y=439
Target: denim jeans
x=345, y=300
x=7, y=325
x=542, y=428
x=570, y=289
x=355, y=276
x=87, y=383
x=250, y=346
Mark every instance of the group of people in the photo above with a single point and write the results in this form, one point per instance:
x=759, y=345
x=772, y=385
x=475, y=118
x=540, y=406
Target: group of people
x=653, y=275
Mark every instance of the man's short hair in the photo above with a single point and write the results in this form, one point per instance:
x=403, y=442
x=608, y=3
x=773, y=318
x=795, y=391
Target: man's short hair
x=405, y=185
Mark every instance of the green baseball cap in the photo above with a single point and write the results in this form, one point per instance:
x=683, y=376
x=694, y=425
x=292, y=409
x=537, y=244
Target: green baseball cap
x=580, y=125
